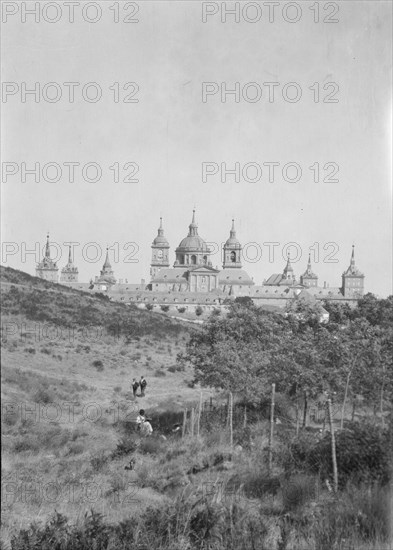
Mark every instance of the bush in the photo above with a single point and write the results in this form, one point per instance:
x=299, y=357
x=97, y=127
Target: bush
x=128, y=444
x=150, y=445
x=181, y=309
x=361, y=449
x=26, y=444
x=149, y=307
x=159, y=373
x=98, y=365
x=76, y=448
x=98, y=461
x=176, y=368
x=43, y=395
x=165, y=308
x=298, y=490
x=198, y=311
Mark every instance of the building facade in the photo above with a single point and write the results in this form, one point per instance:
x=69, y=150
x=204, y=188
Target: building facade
x=193, y=281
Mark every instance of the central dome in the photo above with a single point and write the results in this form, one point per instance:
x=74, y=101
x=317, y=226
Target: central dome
x=192, y=250
x=193, y=244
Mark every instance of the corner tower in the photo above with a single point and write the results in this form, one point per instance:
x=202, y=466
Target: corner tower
x=47, y=269
x=352, y=279
x=232, y=251
x=288, y=274
x=69, y=273
x=159, y=252
x=107, y=276
x=309, y=278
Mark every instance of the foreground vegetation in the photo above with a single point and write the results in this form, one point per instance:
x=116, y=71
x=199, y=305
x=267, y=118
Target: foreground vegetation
x=84, y=479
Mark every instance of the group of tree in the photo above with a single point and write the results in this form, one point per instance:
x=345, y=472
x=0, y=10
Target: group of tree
x=349, y=356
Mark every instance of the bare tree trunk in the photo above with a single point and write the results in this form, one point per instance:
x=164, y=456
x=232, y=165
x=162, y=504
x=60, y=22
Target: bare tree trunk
x=305, y=410
x=353, y=410
x=245, y=417
x=381, y=404
x=192, y=421
x=333, y=442
x=199, y=415
x=271, y=428
x=297, y=416
x=345, y=399
x=230, y=418
x=183, y=432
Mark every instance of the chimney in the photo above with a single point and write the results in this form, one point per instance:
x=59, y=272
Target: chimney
x=324, y=284
x=143, y=281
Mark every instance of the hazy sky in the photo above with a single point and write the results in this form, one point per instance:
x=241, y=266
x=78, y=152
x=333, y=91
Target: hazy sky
x=170, y=132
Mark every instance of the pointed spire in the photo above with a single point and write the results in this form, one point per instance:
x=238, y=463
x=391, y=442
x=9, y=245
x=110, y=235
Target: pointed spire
x=353, y=256
x=309, y=262
x=160, y=229
x=107, y=263
x=233, y=230
x=69, y=255
x=193, y=227
x=288, y=267
x=47, y=249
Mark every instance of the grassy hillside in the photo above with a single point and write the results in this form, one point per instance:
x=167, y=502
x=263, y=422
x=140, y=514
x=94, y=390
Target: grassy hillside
x=73, y=355
x=68, y=437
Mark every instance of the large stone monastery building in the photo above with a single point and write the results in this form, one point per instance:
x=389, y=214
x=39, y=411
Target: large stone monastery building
x=193, y=281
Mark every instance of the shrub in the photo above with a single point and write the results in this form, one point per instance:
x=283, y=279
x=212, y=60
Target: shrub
x=118, y=483
x=30, y=350
x=149, y=307
x=165, y=308
x=298, y=490
x=362, y=454
x=117, y=389
x=181, y=309
x=159, y=373
x=150, y=445
x=27, y=443
x=128, y=444
x=76, y=448
x=98, y=461
x=176, y=368
x=43, y=395
x=98, y=365
x=198, y=311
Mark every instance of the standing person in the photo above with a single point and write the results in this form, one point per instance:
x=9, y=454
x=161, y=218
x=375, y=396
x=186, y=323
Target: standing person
x=135, y=386
x=143, y=385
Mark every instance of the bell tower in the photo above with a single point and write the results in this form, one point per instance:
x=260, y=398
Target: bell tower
x=352, y=279
x=47, y=269
x=159, y=252
x=232, y=251
x=69, y=273
x=288, y=273
x=309, y=278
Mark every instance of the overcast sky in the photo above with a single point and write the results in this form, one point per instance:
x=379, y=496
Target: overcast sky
x=170, y=132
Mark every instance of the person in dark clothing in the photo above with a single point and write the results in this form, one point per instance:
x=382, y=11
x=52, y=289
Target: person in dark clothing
x=135, y=386
x=143, y=385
